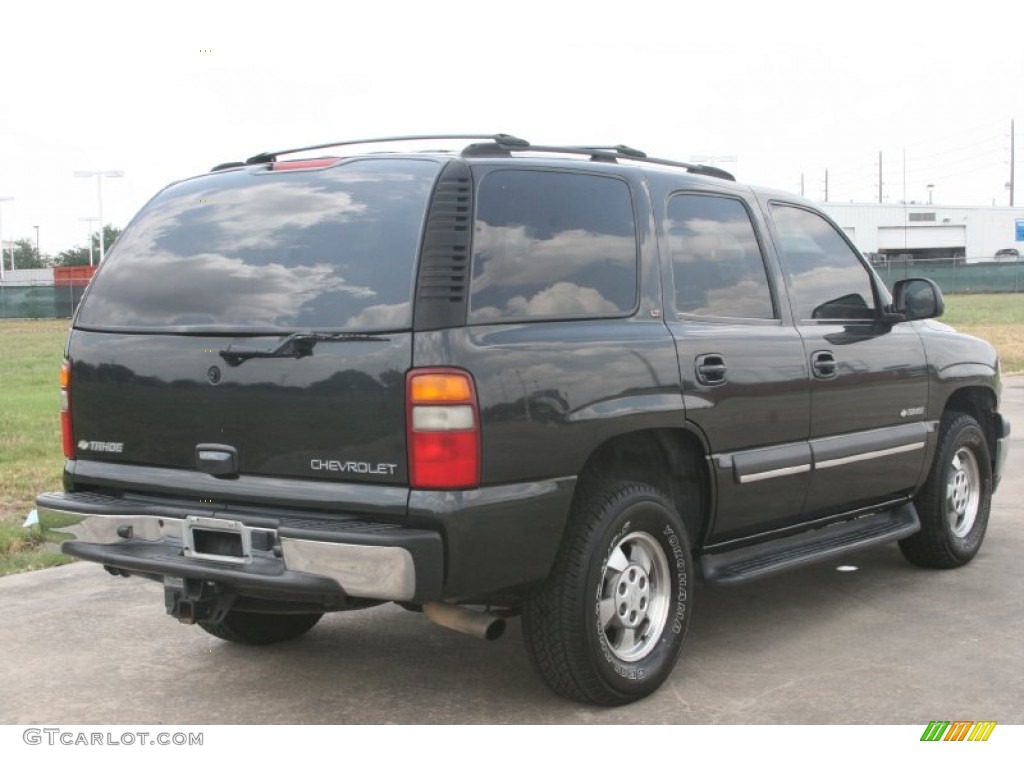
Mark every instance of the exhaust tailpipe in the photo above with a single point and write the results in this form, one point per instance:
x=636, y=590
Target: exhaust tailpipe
x=485, y=626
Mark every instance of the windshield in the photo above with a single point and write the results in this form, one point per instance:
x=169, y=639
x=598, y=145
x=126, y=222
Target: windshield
x=260, y=251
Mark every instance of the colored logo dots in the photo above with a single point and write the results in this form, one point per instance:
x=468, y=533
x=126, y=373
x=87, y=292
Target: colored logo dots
x=959, y=730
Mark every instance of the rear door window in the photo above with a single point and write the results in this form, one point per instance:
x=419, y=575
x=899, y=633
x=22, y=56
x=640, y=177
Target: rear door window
x=553, y=245
x=717, y=264
x=262, y=251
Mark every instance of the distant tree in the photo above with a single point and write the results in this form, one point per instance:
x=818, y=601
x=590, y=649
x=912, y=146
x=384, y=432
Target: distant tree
x=26, y=256
x=79, y=256
x=73, y=257
x=110, y=234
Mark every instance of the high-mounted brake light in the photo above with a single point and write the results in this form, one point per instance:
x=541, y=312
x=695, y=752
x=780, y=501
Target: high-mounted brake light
x=443, y=429
x=67, y=438
x=299, y=165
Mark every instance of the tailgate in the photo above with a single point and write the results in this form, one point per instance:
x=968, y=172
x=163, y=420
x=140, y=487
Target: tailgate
x=337, y=414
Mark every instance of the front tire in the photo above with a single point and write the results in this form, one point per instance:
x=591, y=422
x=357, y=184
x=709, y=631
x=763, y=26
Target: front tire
x=608, y=624
x=955, y=501
x=261, y=628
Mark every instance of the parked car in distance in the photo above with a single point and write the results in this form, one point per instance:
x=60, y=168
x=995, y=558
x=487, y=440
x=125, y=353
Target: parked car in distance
x=1007, y=254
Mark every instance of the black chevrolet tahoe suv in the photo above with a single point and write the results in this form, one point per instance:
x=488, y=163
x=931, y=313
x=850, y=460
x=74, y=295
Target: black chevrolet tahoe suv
x=503, y=379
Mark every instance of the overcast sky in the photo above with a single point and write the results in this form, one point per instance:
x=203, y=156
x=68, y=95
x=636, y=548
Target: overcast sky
x=162, y=91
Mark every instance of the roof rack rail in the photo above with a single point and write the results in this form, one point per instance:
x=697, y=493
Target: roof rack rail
x=505, y=144
x=225, y=166
x=621, y=149
x=596, y=153
x=502, y=139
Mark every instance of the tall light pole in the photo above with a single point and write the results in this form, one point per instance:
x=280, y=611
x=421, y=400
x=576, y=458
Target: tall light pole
x=3, y=200
x=39, y=254
x=930, y=188
x=99, y=198
x=90, y=220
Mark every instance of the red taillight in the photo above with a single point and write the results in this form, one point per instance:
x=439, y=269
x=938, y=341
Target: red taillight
x=66, y=436
x=443, y=429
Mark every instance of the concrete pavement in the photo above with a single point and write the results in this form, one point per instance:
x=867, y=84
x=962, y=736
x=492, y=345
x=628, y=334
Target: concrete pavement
x=886, y=643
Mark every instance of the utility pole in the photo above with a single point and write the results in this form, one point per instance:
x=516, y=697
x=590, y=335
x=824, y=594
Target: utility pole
x=826, y=185
x=90, y=220
x=802, y=186
x=1012, y=162
x=879, y=177
x=3, y=200
x=99, y=198
x=904, y=176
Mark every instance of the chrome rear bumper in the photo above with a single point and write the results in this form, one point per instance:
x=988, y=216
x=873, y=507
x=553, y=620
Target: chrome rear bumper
x=286, y=555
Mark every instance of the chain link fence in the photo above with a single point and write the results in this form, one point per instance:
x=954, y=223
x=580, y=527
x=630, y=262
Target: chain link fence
x=957, y=276
x=39, y=301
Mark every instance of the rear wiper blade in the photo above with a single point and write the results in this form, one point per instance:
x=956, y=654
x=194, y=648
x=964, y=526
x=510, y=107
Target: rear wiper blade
x=296, y=345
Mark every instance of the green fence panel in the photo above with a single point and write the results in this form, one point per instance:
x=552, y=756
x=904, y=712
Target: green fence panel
x=959, y=277
x=39, y=301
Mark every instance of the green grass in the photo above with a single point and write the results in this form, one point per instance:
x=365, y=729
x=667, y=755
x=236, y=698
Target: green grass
x=995, y=317
x=985, y=309
x=30, y=453
x=21, y=549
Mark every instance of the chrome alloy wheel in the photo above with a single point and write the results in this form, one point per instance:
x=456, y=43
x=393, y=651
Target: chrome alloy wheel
x=634, y=603
x=963, y=492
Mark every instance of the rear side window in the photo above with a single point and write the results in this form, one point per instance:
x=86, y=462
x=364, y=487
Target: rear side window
x=553, y=245
x=263, y=251
x=717, y=265
x=826, y=278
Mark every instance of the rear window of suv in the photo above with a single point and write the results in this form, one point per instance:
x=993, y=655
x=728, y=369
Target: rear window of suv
x=253, y=251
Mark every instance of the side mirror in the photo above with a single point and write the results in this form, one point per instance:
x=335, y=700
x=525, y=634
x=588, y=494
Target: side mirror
x=917, y=298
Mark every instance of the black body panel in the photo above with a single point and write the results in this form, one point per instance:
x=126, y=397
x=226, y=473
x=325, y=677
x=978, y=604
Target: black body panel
x=497, y=538
x=869, y=420
x=551, y=393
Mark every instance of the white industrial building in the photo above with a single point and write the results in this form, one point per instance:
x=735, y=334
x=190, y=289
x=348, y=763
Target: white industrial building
x=930, y=231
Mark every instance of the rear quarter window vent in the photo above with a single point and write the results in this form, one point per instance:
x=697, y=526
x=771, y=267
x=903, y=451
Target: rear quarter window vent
x=442, y=285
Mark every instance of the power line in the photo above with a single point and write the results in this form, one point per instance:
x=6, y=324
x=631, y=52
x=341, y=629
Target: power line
x=959, y=149
x=975, y=158
x=935, y=138
x=962, y=174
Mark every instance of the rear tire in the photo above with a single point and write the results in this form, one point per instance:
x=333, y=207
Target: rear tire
x=261, y=628
x=955, y=501
x=608, y=624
